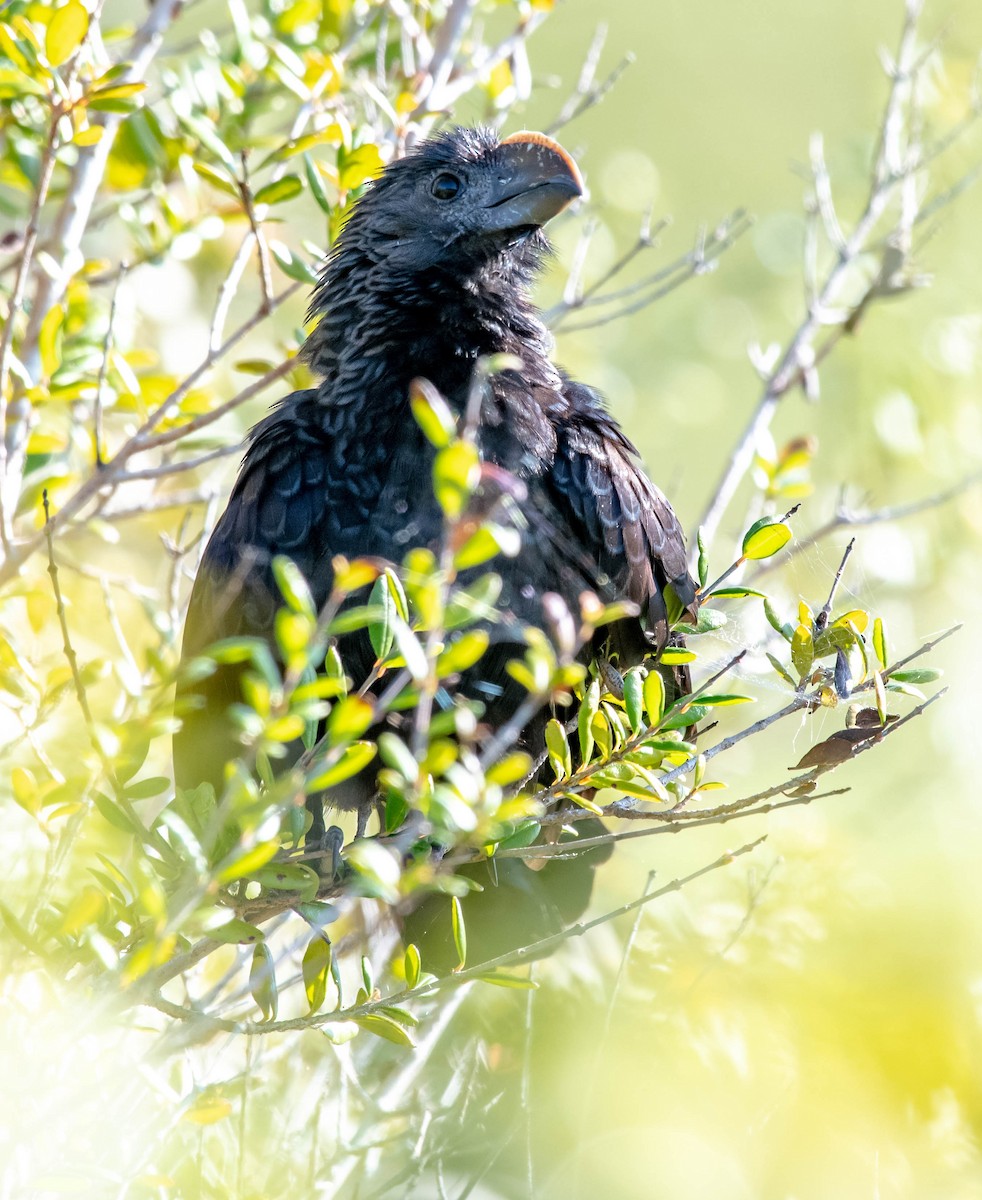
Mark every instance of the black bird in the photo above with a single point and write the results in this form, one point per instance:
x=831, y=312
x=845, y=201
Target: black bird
x=431, y=272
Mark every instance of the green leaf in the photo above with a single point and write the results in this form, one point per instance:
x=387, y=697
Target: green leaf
x=654, y=696
x=143, y=789
x=262, y=981
x=411, y=649
x=918, y=675
x=459, y=931
x=246, y=860
x=412, y=965
x=557, y=748
x=316, y=969
x=802, y=650
x=485, y=543
x=119, y=98
x=702, y=570
x=673, y=657
x=397, y=755
x=775, y=622
x=318, y=913
x=634, y=697
x=217, y=180
x=65, y=32
x=880, y=641
x=385, y=1027
x=455, y=475
x=206, y=134
x=279, y=190
x=292, y=266
x=432, y=413
x=380, y=631
x=316, y=185
x=349, y=719
x=353, y=760
x=710, y=619
x=734, y=593
x=293, y=586
x=356, y=167
x=468, y=649
x=692, y=715
x=510, y=769
x=781, y=669
x=236, y=932
x=288, y=877
x=500, y=979
x=724, y=701
x=765, y=538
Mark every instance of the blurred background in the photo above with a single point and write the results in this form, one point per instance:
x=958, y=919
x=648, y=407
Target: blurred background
x=808, y=1026
x=806, y=1023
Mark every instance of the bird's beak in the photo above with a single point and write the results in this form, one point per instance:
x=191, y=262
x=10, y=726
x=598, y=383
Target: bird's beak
x=535, y=179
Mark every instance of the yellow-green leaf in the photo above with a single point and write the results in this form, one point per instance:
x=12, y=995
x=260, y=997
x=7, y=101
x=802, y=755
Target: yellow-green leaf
x=349, y=718
x=262, y=981
x=385, y=1027
x=880, y=641
x=462, y=653
x=857, y=617
x=316, y=967
x=359, y=166
x=459, y=931
x=412, y=965
x=802, y=650
x=355, y=758
x=207, y=1108
x=557, y=747
x=245, y=861
x=65, y=32
x=279, y=190
x=765, y=540
x=432, y=413
x=455, y=475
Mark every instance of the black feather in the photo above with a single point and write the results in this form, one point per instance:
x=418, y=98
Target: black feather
x=415, y=289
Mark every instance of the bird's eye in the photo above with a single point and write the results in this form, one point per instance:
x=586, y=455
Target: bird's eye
x=446, y=186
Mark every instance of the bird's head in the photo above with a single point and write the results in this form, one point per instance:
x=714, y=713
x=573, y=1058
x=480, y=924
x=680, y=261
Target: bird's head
x=441, y=246
x=463, y=198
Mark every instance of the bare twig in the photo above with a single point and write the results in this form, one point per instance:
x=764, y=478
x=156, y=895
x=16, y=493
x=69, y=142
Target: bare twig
x=651, y=288
x=847, y=518
x=895, y=162
x=587, y=94
x=76, y=207
x=9, y=441
x=107, y=349
x=145, y=439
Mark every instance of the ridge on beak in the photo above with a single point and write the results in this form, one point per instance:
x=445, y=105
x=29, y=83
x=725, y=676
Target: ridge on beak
x=535, y=179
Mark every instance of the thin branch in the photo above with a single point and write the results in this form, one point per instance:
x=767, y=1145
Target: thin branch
x=107, y=349
x=846, y=518
x=144, y=438
x=10, y=482
x=587, y=94
x=70, y=226
x=636, y=296
x=889, y=172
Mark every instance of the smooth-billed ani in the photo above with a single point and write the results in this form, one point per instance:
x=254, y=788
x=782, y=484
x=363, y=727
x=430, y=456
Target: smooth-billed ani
x=431, y=272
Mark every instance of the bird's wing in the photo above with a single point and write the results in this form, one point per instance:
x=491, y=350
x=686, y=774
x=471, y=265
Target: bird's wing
x=614, y=512
x=279, y=506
